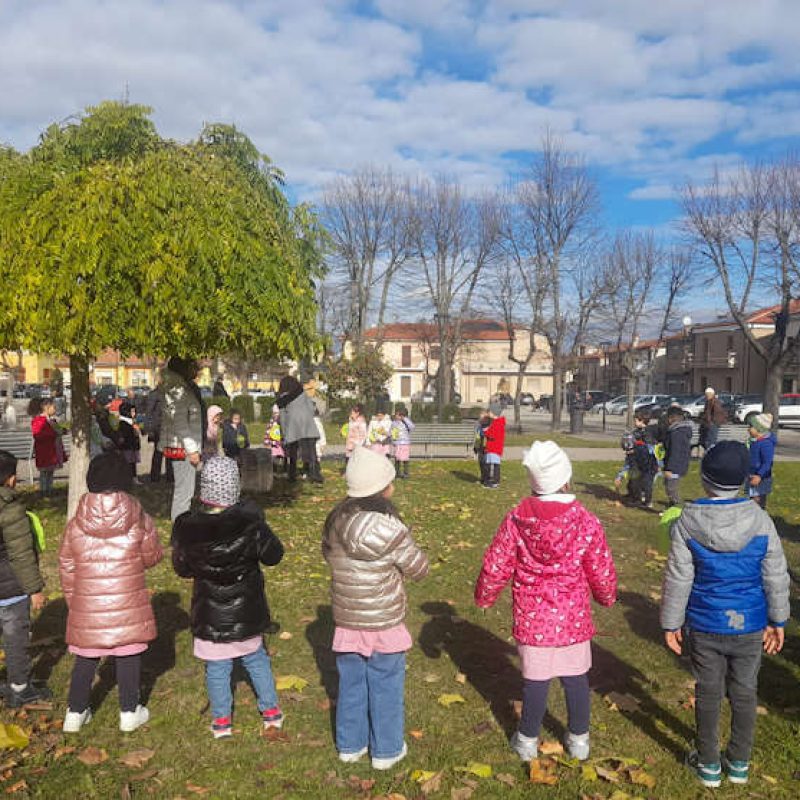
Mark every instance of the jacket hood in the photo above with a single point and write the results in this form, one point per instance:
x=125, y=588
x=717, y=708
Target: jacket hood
x=368, y=535
x=684, y=423
x=200, y=526
x=7, y=494
x=725, y=526
x=542, y=524
x=107, y=514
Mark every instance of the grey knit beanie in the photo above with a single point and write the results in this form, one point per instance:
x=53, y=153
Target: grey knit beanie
x=219, y=482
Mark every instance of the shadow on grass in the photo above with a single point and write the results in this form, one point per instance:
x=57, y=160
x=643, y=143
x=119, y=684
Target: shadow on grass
x=642, y=615
x=602, y=492
x=47, y=639
x=786, y=530
x=467, y=477
x=159, y=658
x=319, y=635
x=610, y=673
x=483, y=657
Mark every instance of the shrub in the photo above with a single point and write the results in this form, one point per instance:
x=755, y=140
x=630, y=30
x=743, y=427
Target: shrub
x=265, y=407
x=422, y=412
x=451, y=413
x=471, y=413
x=243, y=403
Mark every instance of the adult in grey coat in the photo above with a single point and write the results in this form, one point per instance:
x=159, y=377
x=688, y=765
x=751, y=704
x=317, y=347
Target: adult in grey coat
x=300, y=432
x=182, y=428
x=154, y=411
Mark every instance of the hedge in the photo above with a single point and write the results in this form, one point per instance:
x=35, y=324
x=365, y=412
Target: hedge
x=223, y=402
x=243, y=403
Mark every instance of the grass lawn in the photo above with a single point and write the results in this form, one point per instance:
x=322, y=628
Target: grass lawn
x=641, y=703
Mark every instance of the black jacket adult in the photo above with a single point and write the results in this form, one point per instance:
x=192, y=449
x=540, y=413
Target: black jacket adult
x=678, y=447
x=154, y=409
x=223, y=553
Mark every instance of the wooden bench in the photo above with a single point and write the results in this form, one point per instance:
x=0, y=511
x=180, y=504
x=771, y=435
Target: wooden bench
x=727, y=432
x=20, y=444
x=434, y=434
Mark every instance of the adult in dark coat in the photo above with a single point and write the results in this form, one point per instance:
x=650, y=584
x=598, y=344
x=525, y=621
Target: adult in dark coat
x=713, y=416
x=300, y=432
x=678, y=448
x=218, y=389
x=153, y=416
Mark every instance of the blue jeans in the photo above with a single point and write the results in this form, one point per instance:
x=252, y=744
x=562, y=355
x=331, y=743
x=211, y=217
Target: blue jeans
x=370, y=709
x=218, y=682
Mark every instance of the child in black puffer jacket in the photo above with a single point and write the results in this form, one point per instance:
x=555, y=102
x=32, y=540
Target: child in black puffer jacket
x=223, y=548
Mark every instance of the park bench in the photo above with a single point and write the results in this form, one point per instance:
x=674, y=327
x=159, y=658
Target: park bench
x=20, y=444
x=434, y=434
x=727, y=432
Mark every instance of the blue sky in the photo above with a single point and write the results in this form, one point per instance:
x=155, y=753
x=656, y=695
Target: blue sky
x=649, y=93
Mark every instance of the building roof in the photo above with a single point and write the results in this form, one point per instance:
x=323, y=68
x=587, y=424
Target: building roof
x=483, y=330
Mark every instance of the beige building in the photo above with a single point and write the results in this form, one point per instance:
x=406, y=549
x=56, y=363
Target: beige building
x=482, y=365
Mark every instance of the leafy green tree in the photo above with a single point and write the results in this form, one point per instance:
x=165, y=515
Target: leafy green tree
x=111, y=236
x=363, y=376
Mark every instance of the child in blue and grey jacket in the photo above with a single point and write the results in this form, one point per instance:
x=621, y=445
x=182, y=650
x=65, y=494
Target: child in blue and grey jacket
x=726, y=592
x=762, y=454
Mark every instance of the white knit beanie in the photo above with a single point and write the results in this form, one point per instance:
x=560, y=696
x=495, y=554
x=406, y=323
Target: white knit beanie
x=548, y=466
x=367, y=473
x=219, y=482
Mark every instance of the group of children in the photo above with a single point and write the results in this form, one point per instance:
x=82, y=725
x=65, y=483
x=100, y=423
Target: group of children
x=490, y=439
x=666, y=450
x=387, y=436
x=225, y=436
x=725, y=593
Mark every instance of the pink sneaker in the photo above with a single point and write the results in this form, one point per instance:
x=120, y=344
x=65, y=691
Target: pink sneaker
x=273, y=718
x=222, y=727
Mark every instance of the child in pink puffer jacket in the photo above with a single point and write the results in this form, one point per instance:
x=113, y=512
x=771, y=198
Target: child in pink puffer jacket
x=557, y=554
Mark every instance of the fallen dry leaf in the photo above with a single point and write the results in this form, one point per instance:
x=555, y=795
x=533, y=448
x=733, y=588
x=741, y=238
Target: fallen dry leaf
x=286, y=682
x=432, y=784
x=285, y=635
x=19, y=786
x=642, y=778
x=762, y=711
x=589, y=773
x=324, y=705
x=448, y=700
x=195, y=789
x=622, y=702
x=482, y=727
x=769, y=779
x=551, y=748
x=461, y=678
x=275, y=735
x=476, y=768
x=136, y=759
x=92, y=756
x=144, y=776
x=543, y=771
x=416, y=734
x=504, y=777
x=607, y=774
x=63, y=751
x=461, y=793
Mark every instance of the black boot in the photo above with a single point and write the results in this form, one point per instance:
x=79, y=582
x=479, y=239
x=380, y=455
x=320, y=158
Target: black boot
x=484, y=472
x=405, y=472
x=496, y=476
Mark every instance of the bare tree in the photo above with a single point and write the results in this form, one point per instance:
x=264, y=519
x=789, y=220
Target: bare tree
x=454, y=238
x=642, y=284
x=558, y=200
x=366, y=217
x=747, y=229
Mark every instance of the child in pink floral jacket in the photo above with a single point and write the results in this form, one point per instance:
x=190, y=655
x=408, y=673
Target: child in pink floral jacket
x=557, y=554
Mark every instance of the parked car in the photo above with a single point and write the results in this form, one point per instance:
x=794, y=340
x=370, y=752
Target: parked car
x=610, y=404
x=748, y=407
x=423, y=397
x=598, y=397
x=527, y=399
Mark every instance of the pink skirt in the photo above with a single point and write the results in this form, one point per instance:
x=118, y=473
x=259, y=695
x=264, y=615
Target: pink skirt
x=365, y=643
x=383, y=449
x=222, y=651
x=402, y=452
x=544, y=663
x=105, y=652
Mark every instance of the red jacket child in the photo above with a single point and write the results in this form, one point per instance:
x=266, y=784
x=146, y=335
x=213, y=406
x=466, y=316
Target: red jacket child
x=46, y=443
x=495, y=436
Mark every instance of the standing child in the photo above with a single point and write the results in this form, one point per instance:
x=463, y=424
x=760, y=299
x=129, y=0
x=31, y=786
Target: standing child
x=213, y=443
x=495, y=437
x=130, y=442
x=402, y=427
x=379, y=432
x=479, y=445
x=107, y=547
x=222, y=548
x=762, y=454
x=273, y=438
x=557, y=555
x=726, y=591
x=370, y=552
x=48, y=447
x=677, y=451
x=235, y=437
x=21, y=585
x=628, y=469
x=356, y=430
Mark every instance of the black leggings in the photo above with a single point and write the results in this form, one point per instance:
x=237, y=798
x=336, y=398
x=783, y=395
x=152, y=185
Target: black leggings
x=129, y=673
x=534, y=704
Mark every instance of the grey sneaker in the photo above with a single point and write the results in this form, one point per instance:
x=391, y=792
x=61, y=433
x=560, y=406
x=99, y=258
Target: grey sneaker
x=526, y=747
x=577, y=745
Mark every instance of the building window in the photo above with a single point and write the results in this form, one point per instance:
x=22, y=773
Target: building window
x=405, y=382
x=706, y=349
x=405, y=358
x=730, y=344
x=436, y=352
x=481, y=383
x=729, y=384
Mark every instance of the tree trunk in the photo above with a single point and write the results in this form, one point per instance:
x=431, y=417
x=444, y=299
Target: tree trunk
x=517, y=395
x=772, y=391
x=81, y=430
x=558, y=393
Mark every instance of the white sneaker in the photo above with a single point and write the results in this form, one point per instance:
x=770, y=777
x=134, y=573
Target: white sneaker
x=75, y=720
x=526, y=747
x=129, y=721
x=351, y=758
x=388, y=763
x=577, y=745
